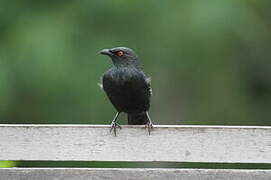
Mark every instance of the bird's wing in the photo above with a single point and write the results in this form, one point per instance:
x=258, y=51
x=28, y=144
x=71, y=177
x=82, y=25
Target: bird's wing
x=148, y=80
x=100, y=84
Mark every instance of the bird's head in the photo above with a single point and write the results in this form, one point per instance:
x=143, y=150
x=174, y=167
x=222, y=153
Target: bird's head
x=121, y=55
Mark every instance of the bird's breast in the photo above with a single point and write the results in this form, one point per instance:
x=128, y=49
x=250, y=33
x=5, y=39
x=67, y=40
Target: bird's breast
x=127, y=89
x=125, y=75
x=124, y=80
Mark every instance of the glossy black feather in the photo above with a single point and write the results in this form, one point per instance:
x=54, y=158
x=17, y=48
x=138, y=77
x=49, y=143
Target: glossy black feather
x=127, y=89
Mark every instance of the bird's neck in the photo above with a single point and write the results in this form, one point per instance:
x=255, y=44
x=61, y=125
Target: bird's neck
x=133, y=65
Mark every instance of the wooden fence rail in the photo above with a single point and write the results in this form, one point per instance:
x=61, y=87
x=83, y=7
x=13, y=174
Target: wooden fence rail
x=131, y=174
x=222, y=144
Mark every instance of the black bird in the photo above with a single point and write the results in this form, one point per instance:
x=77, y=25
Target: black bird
x=127, y=87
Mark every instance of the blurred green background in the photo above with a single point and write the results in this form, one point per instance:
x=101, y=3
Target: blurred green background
x=209, y=60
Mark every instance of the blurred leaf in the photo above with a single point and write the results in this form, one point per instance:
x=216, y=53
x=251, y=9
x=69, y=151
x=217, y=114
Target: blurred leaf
x=7, y=164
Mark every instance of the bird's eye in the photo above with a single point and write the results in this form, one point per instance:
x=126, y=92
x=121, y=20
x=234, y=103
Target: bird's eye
x=120, y=53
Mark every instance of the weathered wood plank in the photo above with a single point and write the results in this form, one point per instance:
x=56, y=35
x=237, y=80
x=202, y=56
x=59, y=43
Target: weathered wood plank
x=230, y=144
x=131, y=174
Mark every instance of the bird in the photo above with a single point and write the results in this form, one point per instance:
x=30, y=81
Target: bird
x=127, y=87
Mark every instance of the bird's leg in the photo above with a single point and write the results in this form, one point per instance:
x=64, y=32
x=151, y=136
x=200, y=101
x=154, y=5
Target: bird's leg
x=114, y=124
x=149, y=123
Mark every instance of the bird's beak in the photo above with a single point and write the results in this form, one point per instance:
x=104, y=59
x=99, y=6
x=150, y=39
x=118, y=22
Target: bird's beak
x=106, y=52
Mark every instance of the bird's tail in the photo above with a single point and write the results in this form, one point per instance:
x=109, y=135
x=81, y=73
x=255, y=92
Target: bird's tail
x=138, y=118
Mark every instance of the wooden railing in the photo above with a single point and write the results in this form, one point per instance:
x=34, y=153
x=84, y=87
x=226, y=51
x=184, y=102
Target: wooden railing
x=219, y=144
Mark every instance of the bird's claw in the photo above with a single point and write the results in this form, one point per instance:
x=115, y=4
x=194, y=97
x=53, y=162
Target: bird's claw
x=114, y=127
x=149, y=126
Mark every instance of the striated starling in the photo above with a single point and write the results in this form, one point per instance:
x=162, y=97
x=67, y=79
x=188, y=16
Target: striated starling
x=127, y=87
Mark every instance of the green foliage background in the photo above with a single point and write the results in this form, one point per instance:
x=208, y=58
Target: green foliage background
x=209, y=60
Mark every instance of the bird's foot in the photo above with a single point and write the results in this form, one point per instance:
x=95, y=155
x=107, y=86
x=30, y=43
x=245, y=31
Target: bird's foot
x=114, y=127
x=149, y=126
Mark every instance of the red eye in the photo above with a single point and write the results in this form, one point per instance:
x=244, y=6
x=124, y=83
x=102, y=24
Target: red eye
x=120, y=53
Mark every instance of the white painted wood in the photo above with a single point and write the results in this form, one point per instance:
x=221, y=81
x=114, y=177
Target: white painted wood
x=131, y=174
x=225, y=144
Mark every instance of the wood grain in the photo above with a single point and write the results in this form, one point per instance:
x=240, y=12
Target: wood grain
x=131, y=174
x=225, y=144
